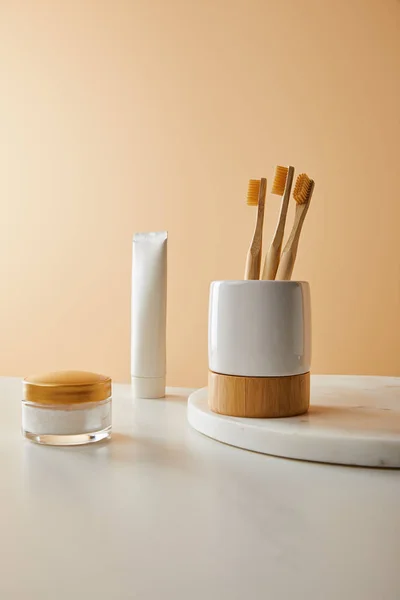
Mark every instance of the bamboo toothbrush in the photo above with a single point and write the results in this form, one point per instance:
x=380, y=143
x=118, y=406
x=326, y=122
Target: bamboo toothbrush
x=256, y=197
x=302, y=193
x=282, y=186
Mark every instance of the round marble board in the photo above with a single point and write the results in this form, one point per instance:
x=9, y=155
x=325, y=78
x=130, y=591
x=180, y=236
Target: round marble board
x=353, y=420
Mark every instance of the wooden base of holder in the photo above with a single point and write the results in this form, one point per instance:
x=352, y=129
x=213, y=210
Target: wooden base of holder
x=258, y=397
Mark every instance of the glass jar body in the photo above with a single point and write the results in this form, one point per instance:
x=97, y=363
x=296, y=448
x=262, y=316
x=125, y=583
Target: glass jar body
x=66, y=424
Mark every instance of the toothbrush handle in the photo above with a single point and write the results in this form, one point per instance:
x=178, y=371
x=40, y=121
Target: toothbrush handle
x=253, y=265
x=286, y=264
x=289, y=253
x=271, y=263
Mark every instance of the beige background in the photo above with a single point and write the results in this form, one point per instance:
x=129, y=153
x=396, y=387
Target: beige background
x=119, y=116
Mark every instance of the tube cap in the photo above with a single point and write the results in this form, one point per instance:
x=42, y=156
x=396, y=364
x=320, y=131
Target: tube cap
x=148, y=387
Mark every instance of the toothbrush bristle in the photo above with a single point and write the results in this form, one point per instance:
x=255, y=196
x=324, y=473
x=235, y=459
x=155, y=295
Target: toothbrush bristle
x=279, y=183
x=302, y=189
x=252, y=192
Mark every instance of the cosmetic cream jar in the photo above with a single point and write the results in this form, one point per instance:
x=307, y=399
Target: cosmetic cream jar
x=66, y=408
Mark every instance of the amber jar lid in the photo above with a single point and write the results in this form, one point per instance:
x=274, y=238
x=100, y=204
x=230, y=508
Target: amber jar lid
x=67, y=387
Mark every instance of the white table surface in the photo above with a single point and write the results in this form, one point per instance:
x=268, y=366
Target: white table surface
x=162, y=512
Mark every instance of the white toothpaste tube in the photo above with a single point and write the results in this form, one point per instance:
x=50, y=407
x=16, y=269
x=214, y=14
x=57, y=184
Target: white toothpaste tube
x=149, y=314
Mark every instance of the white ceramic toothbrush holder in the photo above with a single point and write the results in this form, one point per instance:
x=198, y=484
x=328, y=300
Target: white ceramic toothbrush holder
x=259, y=348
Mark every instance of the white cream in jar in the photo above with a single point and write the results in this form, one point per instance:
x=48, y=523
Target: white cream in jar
x=67, y=408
